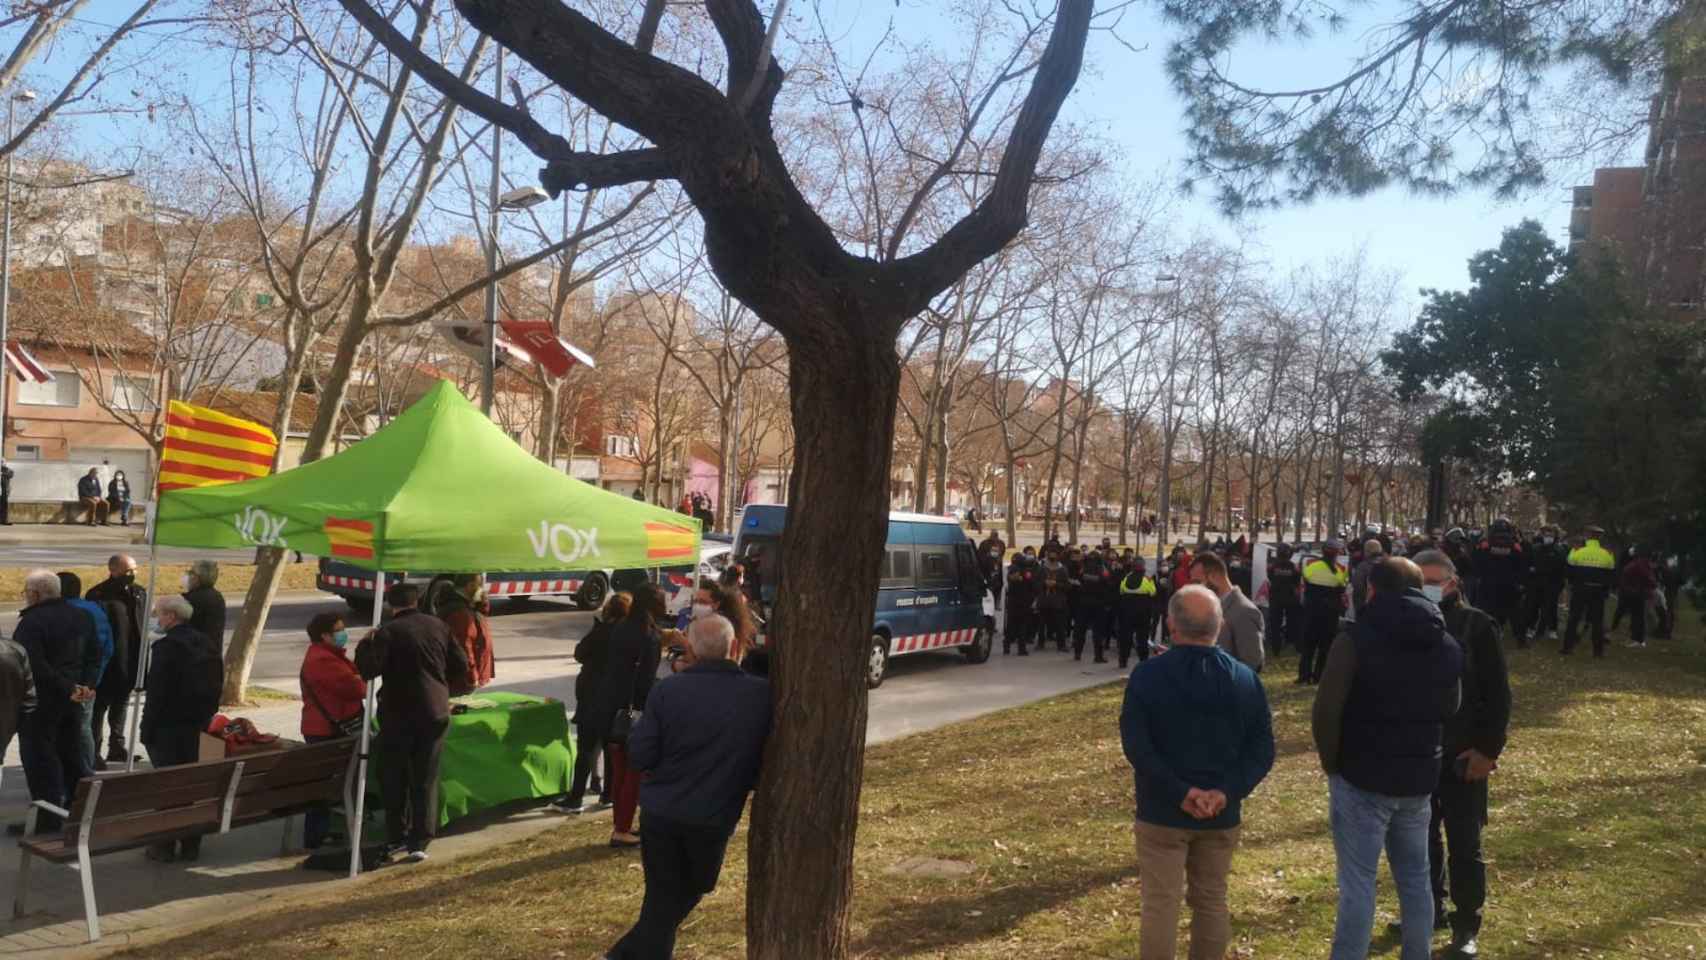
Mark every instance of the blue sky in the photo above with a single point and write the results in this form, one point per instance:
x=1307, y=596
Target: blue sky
x=1126, y=98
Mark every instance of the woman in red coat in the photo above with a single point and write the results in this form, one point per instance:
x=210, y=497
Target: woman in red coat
x=332, y=694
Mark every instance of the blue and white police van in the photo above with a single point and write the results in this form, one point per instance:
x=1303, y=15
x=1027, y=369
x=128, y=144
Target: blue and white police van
x=931, y=598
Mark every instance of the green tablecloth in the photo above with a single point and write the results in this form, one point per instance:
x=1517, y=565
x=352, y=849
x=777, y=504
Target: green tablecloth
x=517, y=750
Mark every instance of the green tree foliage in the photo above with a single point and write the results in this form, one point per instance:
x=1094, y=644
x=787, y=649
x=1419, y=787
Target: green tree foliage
x=1550, y=373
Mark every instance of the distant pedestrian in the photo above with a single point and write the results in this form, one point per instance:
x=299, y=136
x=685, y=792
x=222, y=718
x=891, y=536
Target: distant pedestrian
x=6, y=475
x=1198, y=733
x=118, y=497
x=185, y=674
x=1636, y=584
x=1390, y=684
x=90, y=498
x=698, y=743
x=420, y=665
x=206, y=601
x=593, y=655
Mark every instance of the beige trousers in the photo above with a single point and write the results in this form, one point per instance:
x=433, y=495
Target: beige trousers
x=1184, y=866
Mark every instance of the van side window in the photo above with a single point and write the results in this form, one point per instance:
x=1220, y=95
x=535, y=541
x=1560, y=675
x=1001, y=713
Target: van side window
x=936, y=567
x=897, y=567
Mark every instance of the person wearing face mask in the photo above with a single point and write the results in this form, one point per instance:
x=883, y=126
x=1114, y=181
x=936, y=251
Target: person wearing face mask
x=1474, y=737
x=464, y=611
x=1547, y=566
x=127, y=602
x=991, y=553
x=333, y=695
x=1020, y=623
x=185, y=674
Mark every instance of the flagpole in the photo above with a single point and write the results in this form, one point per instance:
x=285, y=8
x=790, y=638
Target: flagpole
x=366, y=733
x=146, y=646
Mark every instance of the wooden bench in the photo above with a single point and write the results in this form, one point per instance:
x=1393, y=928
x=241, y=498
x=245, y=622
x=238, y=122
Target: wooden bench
x=123, y=811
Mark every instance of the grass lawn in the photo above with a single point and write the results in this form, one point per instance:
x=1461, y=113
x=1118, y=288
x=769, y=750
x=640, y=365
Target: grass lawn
x=1597, y=845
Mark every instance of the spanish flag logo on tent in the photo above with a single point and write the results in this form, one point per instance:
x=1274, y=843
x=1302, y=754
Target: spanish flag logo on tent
x=350, y=538
x=666, y=541
x=205, y=447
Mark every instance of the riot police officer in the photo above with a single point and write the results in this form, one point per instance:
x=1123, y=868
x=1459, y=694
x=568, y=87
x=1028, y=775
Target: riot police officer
x=1090, y=608
x=1545, y=568
x=1499, y=565
x=1285, y=600
x=1022, y=577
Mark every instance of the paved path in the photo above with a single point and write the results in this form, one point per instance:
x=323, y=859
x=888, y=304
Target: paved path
x=243, y=871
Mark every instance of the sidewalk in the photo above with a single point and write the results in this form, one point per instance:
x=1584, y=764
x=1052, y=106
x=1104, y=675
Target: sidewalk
x=64, y=534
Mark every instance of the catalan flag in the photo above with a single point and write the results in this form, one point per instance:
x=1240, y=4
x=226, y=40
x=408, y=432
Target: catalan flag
x=350, y=538
x=206, y=447
x=666, y=541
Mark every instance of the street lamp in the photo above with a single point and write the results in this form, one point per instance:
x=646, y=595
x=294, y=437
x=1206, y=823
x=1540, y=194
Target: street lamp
x=522, y=197
x=22, y=96
x=1166, y=498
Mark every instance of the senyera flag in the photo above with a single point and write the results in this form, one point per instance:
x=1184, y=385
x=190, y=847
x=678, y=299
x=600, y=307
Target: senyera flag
x=25, y=366
x=205, y=447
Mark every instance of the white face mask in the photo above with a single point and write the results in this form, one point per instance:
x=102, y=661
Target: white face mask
x=186, y=582
x=702, y=610
x=1434, y=592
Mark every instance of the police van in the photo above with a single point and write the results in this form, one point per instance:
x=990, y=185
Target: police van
x=931, y=597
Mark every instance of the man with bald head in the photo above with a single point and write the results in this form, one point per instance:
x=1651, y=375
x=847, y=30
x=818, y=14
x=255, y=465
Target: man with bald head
x=1199, y=736
x=1392, y=681
x=127, y=605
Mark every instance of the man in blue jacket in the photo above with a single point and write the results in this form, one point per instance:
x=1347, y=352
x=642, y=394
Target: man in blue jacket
x=1199, y=735
x=700, y=739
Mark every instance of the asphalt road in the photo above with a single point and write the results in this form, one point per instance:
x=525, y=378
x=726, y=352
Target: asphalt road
x=534, y=641
x=60, y=556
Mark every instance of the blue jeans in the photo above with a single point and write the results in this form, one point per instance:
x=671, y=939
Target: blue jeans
x=1363, y=823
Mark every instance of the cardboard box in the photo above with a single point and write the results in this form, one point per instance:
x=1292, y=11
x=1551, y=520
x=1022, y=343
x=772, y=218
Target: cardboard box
x=211, y=747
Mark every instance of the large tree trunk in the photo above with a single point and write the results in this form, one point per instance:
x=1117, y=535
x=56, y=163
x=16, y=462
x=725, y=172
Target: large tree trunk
x=1013, y=506
x=843, y=394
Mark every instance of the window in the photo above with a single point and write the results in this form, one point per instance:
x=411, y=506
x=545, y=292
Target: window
x=620, y=446
x=897, y=567
x=64, y=391
x=26, y=451
x=935, y=567
x=132, y=393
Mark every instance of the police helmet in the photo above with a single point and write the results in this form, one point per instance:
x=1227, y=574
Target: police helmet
x=1455, y=535
x=1500, y=525
x=1283, y=550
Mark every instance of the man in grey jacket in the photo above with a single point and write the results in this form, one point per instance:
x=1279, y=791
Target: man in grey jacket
x=1241, y=625
x=17, y=691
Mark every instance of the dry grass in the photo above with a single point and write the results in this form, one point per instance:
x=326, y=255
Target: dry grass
x=233, y=578
x=1597, y=843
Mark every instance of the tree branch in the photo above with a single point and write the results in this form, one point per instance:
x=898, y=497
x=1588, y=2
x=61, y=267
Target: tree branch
x=1003, y=212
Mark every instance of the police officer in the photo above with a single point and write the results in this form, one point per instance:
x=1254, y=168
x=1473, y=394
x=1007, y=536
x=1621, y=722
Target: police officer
x=1091, y=605
x=1138, y=596
x=1022, y=582
x=1499, y=564
x=1591, y=573
x=991, y=553
x=1285, y=600
x=1546, y=566
x=1324, y=584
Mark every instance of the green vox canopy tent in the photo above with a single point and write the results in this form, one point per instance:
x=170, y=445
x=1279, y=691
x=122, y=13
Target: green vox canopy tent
x=441, y=488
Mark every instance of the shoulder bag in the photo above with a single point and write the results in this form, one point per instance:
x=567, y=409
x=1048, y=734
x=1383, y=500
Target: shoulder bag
x=348, y=728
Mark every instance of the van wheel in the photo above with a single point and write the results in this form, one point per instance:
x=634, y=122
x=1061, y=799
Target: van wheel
x=592, y=592
x=981, y=645
x=878, y=665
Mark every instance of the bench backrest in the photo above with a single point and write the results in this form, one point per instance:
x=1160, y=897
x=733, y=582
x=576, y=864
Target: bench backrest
x=206, y=797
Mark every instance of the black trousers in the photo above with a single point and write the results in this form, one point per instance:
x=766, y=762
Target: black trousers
x=1454, y=859
x=1133, y=632
x=1285, y=625
x=681, y=862
x=1020, y=626
x=1539, y=609
x=111, y=706
x=587, y=747
x=1318, y=629
x=171, y=746
x=1634, y=604
x=51, y=750
x=1589, y=605
x=408, y=753
x=1091, y=621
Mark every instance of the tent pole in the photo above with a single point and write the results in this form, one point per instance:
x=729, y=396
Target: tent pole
x=366, y=733
x=147, y=642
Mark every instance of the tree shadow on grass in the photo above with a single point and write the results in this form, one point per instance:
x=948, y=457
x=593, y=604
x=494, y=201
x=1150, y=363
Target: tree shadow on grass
x=941, y=923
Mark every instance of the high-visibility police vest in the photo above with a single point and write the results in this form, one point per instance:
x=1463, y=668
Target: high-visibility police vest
x=1328, y=576
x=1591, y=565
x=1144, y=589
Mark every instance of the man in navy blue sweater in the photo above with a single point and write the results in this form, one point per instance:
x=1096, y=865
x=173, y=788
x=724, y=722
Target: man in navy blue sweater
x=700, y=739
x=1199, y=735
